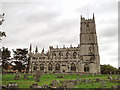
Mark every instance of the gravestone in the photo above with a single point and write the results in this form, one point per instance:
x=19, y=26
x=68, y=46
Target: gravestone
x=26, y=76
x=45, y=86
x=64, y=84
x=86, y=80
x=17, y=76
x=70, y=85
x=75, y=82
x=12, y=85
x=37, y=76
x=116, y=86
x=110, y=78
x=97, y=80
x=35, y=85
x=55, y=83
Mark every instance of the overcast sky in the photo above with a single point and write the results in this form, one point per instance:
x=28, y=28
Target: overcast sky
x=45, y=23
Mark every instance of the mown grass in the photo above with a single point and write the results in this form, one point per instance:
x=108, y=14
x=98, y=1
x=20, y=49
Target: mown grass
x=46, y=79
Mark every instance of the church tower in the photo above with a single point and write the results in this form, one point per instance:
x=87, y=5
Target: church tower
x=89, y=46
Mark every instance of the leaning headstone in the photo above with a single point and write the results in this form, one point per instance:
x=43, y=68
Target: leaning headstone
x=12, y=85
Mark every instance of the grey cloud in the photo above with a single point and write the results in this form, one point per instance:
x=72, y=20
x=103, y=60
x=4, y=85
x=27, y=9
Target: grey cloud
x=44, y=24
x=42, y=17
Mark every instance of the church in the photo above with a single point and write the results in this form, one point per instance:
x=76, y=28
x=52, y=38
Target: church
x=81, y=59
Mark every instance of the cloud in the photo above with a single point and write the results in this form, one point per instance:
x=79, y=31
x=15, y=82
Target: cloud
x=45, y=23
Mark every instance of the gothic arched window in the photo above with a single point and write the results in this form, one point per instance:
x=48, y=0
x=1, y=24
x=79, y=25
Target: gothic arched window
x=74, y=55
x=86, y=68
x=67, y=55
x=50, y=67
x=73, y=67
x=57, y=66
x=35, y=67
x=41, y=67
x=59, y=55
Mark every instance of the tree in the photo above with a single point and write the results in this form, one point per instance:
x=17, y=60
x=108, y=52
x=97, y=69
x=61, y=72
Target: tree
x=19, y=66
x=1, y=22
x=5, y=57
x=118, y=70
x=108, y=69
x=21, y=57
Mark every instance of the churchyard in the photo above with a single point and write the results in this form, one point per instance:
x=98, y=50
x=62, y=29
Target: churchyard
x=60, y=80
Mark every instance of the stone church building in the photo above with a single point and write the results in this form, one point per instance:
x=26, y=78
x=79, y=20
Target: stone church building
x=82, y=59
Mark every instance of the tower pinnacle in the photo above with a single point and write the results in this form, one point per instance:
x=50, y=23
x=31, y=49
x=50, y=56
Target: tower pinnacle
x=93, y=17
x=36, y=50
x=30, y=47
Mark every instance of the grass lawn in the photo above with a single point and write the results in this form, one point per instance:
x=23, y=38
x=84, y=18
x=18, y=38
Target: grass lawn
x=46, y=79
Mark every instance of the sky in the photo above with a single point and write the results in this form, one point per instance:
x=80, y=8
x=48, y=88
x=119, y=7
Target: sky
x=45, y=23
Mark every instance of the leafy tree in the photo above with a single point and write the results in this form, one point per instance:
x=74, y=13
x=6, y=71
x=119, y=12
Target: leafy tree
x=19, y=66
x=21, y=57
x=108, y=69
x=118, y=71
x=1, y=22
x=5, y=57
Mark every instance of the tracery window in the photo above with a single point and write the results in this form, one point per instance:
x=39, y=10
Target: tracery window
x=41, y=67
x=73, y=67
x=74, y=55
x=86, y=68
x=50, y=67
x=67, y=54
x=57, y=66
